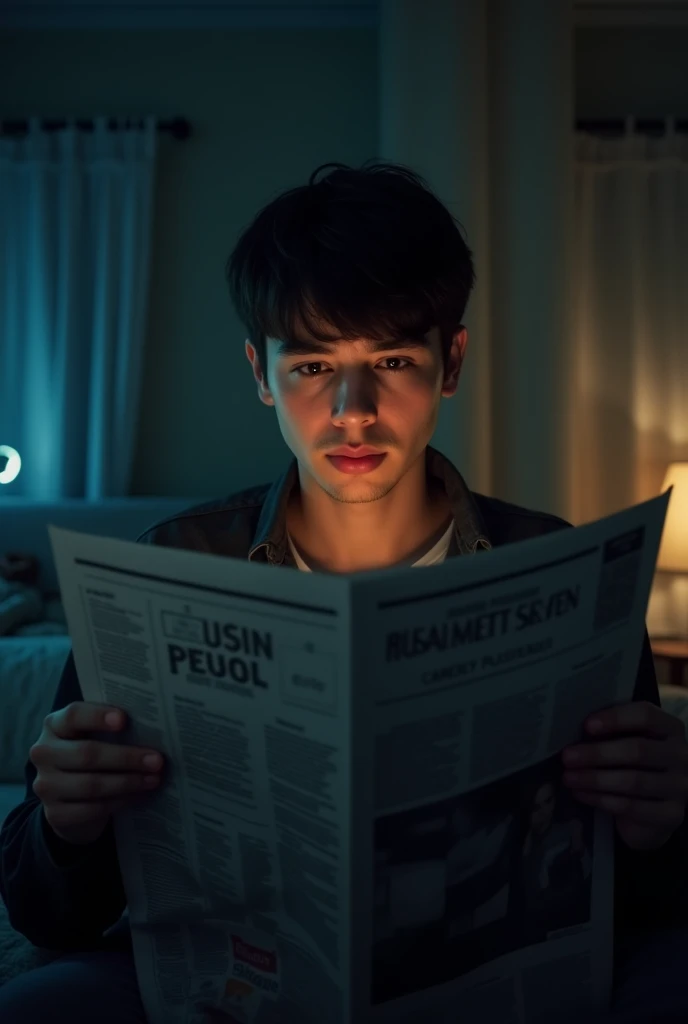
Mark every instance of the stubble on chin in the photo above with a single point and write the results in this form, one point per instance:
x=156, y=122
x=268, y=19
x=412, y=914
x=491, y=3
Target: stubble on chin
x=359, y=496
x=356, y=491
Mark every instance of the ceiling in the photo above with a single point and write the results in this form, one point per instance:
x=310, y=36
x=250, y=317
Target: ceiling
x=282, y=13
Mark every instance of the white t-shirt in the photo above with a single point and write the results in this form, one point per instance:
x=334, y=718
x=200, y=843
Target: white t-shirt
x=433, y=556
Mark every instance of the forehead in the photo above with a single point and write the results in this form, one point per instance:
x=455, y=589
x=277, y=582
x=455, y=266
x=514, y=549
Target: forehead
x=301, y=343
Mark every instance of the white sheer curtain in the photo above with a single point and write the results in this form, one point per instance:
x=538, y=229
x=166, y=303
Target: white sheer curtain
x=630, y=408
x=75, y=233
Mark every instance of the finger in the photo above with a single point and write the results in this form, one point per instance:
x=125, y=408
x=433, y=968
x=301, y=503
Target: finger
x=647, y=812
x=83, y=716
x=630, y=752
x=78, y=787
x=637, y=716
x=94, y=756
x=638, y=783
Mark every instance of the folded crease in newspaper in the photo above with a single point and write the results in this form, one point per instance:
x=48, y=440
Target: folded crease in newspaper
x=362, y=816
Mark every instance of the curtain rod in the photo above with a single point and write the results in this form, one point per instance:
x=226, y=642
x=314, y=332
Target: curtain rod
x=178, y=127
x=617, y=125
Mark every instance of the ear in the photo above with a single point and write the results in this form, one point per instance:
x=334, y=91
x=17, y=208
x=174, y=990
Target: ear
x=455, y=359
x=264, y=392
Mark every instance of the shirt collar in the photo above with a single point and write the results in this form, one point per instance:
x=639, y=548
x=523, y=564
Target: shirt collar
x=270, y=542
x=470, y=534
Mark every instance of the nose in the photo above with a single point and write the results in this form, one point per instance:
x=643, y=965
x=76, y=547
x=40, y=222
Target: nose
x=355, y=400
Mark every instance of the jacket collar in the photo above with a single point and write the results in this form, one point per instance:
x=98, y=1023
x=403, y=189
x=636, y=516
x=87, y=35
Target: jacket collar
x=270, y=542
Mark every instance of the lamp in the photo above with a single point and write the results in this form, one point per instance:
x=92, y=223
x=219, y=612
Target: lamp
x=673, y=552
x=10, y=464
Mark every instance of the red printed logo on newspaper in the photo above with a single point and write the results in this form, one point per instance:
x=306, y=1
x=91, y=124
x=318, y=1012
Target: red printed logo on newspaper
x=262, y=959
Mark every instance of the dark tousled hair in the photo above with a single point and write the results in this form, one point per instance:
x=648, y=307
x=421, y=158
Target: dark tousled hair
x=363, y=252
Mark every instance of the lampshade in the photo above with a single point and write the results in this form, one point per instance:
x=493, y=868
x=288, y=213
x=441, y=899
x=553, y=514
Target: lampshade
x=673, y=553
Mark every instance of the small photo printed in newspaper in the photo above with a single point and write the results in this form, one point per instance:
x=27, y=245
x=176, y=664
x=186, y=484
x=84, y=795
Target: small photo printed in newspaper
x=469, y=879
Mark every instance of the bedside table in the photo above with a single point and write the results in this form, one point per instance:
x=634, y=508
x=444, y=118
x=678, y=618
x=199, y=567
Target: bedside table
x=675, y=652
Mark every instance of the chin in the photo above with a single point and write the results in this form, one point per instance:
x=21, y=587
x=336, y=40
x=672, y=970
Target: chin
x=357, y=491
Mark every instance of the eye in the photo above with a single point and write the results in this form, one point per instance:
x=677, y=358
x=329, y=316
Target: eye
x=405, y=364
x=309, y=369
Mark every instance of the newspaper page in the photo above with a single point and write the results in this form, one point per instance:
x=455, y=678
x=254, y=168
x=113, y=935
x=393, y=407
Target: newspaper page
x=492, y=891
x=361, y=817
x=236, y=871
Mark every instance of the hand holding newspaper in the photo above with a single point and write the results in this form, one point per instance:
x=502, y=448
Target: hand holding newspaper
x=362, y=817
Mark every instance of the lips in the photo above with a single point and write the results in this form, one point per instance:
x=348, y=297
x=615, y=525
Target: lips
x=363, y=459
x=358, y=452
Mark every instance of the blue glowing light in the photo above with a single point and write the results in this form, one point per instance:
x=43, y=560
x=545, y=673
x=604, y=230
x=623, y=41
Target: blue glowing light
x=12, y=465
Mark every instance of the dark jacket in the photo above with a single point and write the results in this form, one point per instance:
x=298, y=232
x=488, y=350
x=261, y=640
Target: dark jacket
x=65, y=897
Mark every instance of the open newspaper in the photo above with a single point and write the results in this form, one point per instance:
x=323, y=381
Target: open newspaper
x=362, y=818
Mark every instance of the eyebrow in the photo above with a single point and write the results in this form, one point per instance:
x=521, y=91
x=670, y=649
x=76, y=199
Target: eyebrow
x=305, y=347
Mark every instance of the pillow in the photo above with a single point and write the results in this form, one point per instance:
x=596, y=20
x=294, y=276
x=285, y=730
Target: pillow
x=19, y=605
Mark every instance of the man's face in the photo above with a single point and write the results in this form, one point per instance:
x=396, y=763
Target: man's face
x=356, y=393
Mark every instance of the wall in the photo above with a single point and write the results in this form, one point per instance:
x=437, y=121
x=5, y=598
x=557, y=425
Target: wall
x=267, y=106
x=641, y=71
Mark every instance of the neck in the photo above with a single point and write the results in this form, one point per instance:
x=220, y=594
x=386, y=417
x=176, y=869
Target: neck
x=354, y=536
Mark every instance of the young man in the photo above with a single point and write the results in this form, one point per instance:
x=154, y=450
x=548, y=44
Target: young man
x=352, y=289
